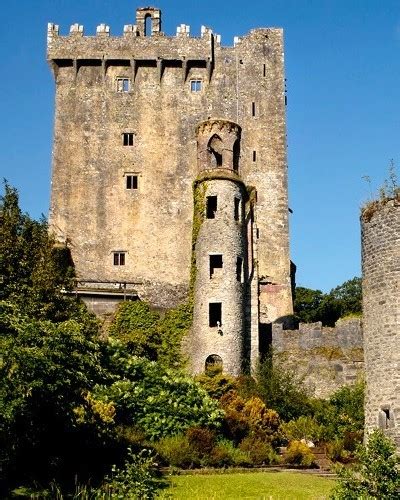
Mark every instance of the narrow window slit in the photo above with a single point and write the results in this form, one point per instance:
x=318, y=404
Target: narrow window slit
x=253, y=109
x=216, y=262
x=215, y=314
x=211, y=207
x=239, y=269
x=237, y=208
x=254, y=155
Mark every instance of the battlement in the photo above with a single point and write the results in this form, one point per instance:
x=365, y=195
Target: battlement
x=143, y=40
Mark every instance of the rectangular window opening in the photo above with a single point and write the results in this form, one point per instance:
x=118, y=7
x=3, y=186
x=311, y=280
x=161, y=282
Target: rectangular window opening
x=264, y=70
x=211, y=207
x=216, y=262
x=119, y=258
x=123, y=84
x=253, y=109
x=254, y=155
x=237, y=208
x=195, y=85
x=131, y=182
x=215, y=313
x=239, y=269
x=127, y=139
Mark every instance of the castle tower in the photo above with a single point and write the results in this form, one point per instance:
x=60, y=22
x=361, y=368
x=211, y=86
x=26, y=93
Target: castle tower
x=380, y=230
x=220, y=250
x=125, y=157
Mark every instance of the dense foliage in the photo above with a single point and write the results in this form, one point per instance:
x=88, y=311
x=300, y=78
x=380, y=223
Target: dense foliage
x=313, y=305
x=375, y=476
x=148, y=334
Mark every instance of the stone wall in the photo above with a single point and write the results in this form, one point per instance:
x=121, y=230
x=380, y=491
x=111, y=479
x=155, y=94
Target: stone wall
x=380, y=227
x=91, y=207
x=325, y=358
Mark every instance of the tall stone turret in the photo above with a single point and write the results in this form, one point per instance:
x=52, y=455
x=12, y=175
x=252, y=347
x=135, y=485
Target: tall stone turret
x=380, y=226
x=220, y=250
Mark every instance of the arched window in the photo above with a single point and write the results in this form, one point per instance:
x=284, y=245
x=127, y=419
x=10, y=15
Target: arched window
x=215, y=148
x=213, y=363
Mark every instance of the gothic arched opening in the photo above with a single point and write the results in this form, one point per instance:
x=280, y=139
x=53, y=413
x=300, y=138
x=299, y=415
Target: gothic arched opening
x=215, y=147
x=213, y=363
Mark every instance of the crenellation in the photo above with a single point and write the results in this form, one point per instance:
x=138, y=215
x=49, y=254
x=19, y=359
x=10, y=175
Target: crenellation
x=103, y=29
x=76, y=29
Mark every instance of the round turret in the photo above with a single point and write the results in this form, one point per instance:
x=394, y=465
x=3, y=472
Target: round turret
x=380, y=228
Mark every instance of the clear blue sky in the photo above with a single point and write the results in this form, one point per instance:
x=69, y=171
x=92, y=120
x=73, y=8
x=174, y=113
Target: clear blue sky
x=343, y=114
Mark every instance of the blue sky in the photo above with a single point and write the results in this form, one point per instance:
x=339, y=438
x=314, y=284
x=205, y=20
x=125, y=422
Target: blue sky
x=343, y=114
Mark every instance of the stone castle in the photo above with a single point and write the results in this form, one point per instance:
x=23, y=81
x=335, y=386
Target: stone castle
x=170, y=184
x=169, y=164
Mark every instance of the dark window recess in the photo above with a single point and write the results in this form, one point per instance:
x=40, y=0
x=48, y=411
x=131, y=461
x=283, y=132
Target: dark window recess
x=254, y=155
x=131, y=182
x=239, y=268
x=215, y=313
x=119, y=258
x=215, y=263
x=253, y=109
x=211, y=207
x=237, y=207
x=127, y=139
x=264, y=70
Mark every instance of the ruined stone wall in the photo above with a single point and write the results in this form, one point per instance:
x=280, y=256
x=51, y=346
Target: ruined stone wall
x=91, y=207
x=325, y=358
x=380, y=228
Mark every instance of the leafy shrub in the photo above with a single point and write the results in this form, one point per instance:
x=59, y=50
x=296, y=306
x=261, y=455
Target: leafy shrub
x=302, y=428
x=225, y=454
x=281, y=390
x=177, y=451
x=137, y=479
x=202, y=440
x=299, y=453
x=259, y=451
x=342, y=415
x=336, y=451
x=216, y=383
x=262, y=421
x=159, y=401
x=376, y=476
x=235, y=423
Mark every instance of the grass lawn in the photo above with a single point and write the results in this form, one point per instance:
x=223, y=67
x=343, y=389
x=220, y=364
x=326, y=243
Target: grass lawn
x=274, y=485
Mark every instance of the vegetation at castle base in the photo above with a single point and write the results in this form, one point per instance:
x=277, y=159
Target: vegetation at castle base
x=376, y=475
x=344, y=300
x=73, y=402
x=146, y=333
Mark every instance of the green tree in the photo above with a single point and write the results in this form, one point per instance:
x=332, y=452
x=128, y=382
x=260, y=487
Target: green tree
x=349, y=296
x=45, y=369
x=35, y=273
x=281, y=390
x=307, y=303
x=376, y=475
x=313, y=305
